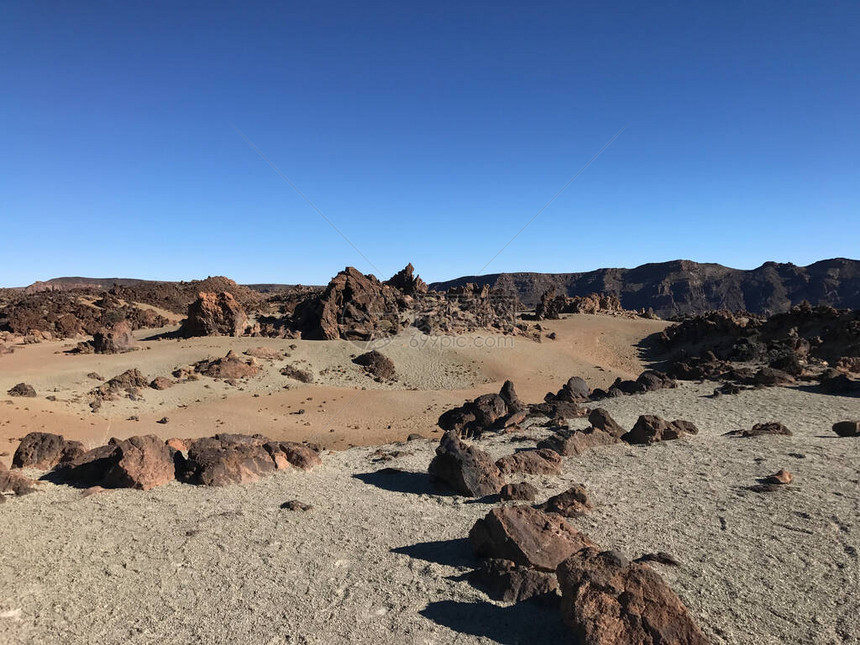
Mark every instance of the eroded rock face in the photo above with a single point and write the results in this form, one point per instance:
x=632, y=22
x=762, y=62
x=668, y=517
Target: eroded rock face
x=574, y=442
x=118, y=339
x=607, y=600
x=377, y=365
x=526, y=536
x=465, y=469
x=650, y=429
x=532, y=462
x=43, y=450
x=407, y=282
x=214, y=315
x=228, y=459
x=506, y=581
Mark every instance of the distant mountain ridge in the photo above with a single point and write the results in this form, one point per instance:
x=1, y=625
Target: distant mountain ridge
x=682, y=287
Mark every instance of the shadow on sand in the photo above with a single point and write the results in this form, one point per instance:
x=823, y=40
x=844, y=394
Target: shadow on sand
x=450, y=553
x=522, y=624
x=401, y=481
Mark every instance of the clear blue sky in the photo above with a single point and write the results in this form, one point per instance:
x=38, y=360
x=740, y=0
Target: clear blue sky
x=428, y=133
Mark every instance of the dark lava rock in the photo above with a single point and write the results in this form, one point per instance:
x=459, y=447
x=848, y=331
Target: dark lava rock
x=214, y=315
x=521, y=491
x=44, y=450
x=22, y=389
x=377, y=365
x=506, y=581
x=650, y=429
x=531, y=462
x=601, y=420
x=573, y=502
x=760, y=430
x=228, y=459
x=574, y=442
x=465, y=469
x=296, y=505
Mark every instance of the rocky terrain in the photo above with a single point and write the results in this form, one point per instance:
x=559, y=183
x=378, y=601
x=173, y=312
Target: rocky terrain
x=683, y=287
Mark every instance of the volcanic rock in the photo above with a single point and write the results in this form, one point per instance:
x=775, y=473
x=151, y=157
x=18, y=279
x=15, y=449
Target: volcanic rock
x=116, y=340
x=232, y=366
x=506, y=581
x=297, y=374
x=571, y=503
x=296, y=454
x=405, y=281
x=141, y=462
x=214, y=315
x=521, y=491
x=526, y=536
x=574, y=442
x=161, y=383
x=532, y=462
x=650, y=429
x=296, y=505
x=43, y=450
x=601, y=420
x=228, y=459
x=15, y=482
x=377, y=365
x=780, y=477
x=607, y=600
x=574, y=391
x=465, y=469
x=761, y=429
x=22, y=389
x=847, y=428
x=485, y=413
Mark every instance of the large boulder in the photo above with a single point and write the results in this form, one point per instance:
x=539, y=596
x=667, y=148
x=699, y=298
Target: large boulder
x=465, y=469
x=214, y=315
x=574, y=391
x=228, y=459
x=575, y=442
x=118, y=339
x=607, y=600
x=141, y=462
x=650, y=429
x=532, y=462
x=43, y=450
x=526, y=536
x=601, y=420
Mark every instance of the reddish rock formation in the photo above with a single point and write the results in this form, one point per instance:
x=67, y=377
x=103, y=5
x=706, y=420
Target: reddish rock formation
x=571, y=503
x=43, y=450
x=231, y=366
x=601, y=420
x=607, y=600
x=228, y=459
x=214, y=315
x=296, y=454
x=487, y=412
x=465, y=469
x=521, y=491
x=526, y=536
x=161, y=383
x=118, y=339
x=22, y=389
x=141, y=462
x=406, y=281
x=574, y=442
x=532, y=462
x=377, y=365
x=847, y=428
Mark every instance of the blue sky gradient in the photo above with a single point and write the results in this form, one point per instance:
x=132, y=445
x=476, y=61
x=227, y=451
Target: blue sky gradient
x=428, y=133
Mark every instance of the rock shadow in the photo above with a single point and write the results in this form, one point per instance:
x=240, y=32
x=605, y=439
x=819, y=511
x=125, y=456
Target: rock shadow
x=520, y=624
x=401, y=481
x=451, y=553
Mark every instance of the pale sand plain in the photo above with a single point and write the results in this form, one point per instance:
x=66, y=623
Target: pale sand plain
x=381, y=558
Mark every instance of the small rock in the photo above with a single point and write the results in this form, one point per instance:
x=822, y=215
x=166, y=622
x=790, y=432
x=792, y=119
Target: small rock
x=522, y=491
x=296, y=505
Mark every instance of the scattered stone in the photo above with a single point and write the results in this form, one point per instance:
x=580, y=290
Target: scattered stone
x=780, y=477
x=163, y=420
x=296, y=505
x=231, y=366
x=650, y=429
x=522, y=491
x=847, y=428
x=760, y=430
x=161, y=383
x=601, y=420
x=22, y=389
x=465, y=469
x=95, y=376
x=574, y=502
x=296, y=454
x=558, y=410
x=377, y=365
x=297, y=374
x=607, y=600
x=526, y=536
x=575, y=442
x=532, y=462
x=506, y=581
x=214, y=315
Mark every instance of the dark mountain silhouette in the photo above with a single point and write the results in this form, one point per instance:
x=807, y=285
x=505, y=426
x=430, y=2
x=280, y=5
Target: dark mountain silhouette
x=683, y=287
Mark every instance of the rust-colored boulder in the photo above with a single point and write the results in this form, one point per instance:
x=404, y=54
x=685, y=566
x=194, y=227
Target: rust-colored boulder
x=115, y=340
x=161, y=383
x=571, y=503
x=650, y=429
x=227, y=459
x=526, y=536
x=214, y=315
x=575, y=442
x=847, y=428
x=465, y=469
x=506, y=581
x=141, y=462
x=607, y=600
x=521, y=491
x=559, y=410
x=532, y=462
x=231, y=366
x=90, y=467
x=601, y=419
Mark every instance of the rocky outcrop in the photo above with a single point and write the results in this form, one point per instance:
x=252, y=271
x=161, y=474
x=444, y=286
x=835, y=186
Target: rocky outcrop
x=407, y=282
x=231, y=366
x=214, y=315
x=526, y=536
x=682, y=287
x=486, y=413
x=551, y=305
x=465, y=469
x=607, y=600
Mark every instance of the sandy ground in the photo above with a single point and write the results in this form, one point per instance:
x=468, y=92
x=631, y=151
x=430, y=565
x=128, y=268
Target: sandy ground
x=343, y=406
x=381, y=558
